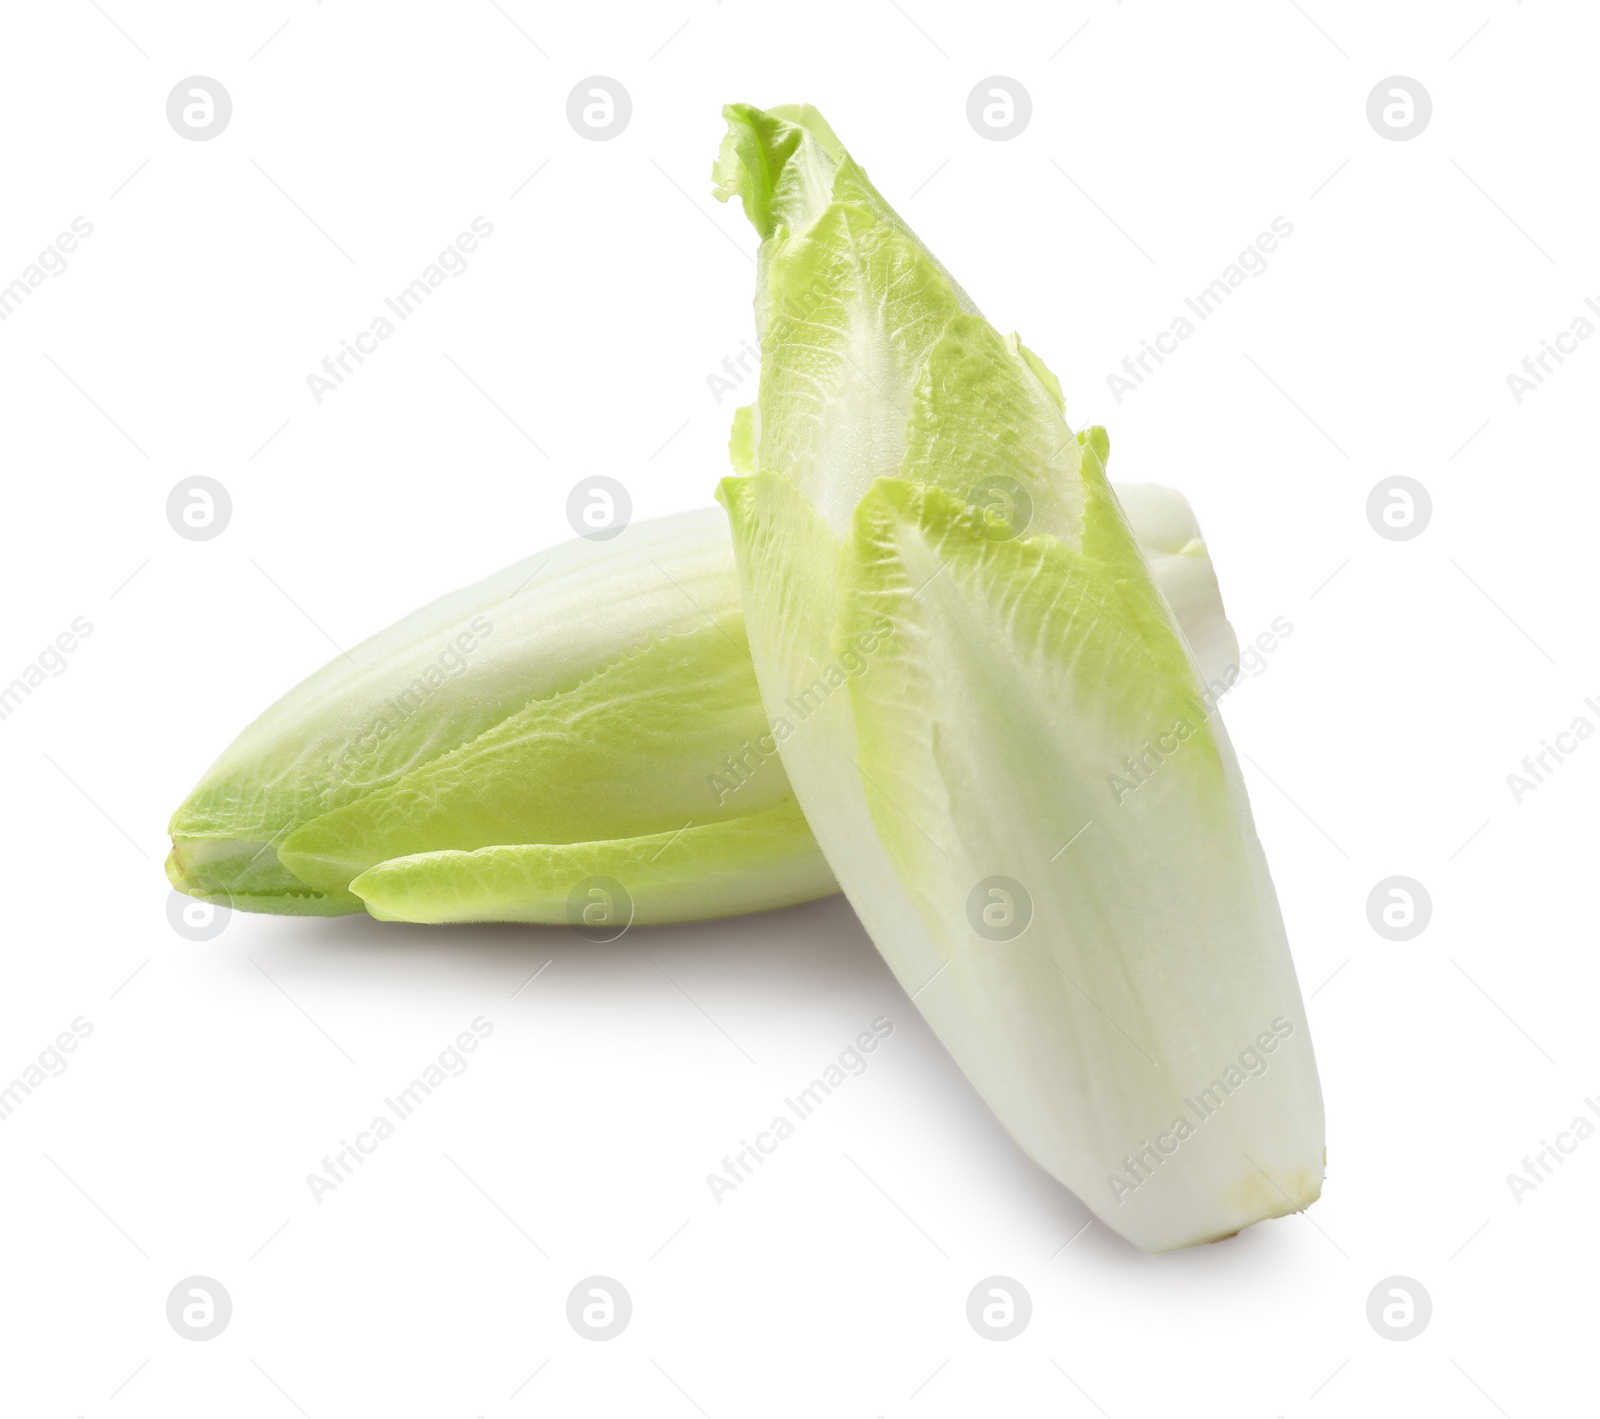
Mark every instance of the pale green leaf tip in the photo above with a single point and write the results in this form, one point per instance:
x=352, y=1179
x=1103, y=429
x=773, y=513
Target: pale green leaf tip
x=756, y=159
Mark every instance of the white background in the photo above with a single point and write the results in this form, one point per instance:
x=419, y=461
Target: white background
x=1378, y=739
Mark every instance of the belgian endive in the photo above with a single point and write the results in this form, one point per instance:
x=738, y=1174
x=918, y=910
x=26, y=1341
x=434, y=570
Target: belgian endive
x=579, y=739
x=1024, y=792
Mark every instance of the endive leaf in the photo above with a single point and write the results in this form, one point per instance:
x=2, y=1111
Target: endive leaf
x=1024, y=788
x=627, y=749
x=742, y=864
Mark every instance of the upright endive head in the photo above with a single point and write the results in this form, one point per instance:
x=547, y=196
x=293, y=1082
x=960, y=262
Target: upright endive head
x=909, y=379
x=1024, y=787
